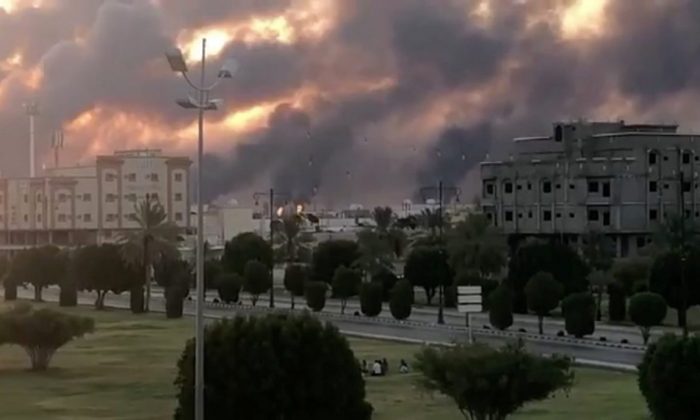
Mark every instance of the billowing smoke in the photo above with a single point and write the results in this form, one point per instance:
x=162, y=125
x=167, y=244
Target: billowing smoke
x=354, y=100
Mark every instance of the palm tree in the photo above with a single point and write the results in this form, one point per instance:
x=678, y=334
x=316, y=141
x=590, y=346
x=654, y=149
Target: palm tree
x=475, y=245
x=383, y=218
x=290, y=237
x=154, y=238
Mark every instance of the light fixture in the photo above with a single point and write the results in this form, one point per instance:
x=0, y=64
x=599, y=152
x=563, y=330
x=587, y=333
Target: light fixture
x=176, y=60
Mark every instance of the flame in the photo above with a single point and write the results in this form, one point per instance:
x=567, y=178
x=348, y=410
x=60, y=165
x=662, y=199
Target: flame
x=584, y=18
x=255, y=116
x=217, y=38
x=300, y=208
x=280, y=211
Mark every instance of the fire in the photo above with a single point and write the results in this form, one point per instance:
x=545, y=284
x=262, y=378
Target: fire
x=584, y=18
x=217, y=38
x=247, y=118
x=276, y=29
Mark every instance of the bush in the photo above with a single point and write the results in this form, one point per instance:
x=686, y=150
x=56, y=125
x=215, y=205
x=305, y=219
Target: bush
x=387, y=279
x=488, y=383
x=295, y=276
x=579, y=314
x=229, y=286
x=315, y=294
x=647, y=310
x=42, y=332
x=669, y=378
x=346, y=284
x=501, y=308
x=543, y=294
x=617, y=303
x=427, y=267
x=68, y=295
x=174, y=297
x=274, y=367
x=243, y=248
x=10, y=290
x=256, y=280
x=331, y=254
x=371, y=298
x=401, y=300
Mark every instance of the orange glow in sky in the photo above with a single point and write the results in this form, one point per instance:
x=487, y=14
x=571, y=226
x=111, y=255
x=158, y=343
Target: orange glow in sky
x=584, y=18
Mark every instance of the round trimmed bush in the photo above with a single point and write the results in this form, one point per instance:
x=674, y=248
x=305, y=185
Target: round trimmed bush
x=401, y=300
x=579, y=314
x=371, y=298
x=315, y=294
x=501, y=308
x=229, y=286
x=647, y=310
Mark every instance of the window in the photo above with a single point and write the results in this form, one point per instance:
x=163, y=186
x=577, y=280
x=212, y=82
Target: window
x=26, y=218
x=606, y=218
x=687, y=214
x=519, y=187
x=26, y=198
x=572, y=215
x=547, y=215
x=489, y=189
x=529, y=214
x=593, y=186
x=38, y=218
x=87, y=217
x=153, y=177
x=131, y=177
x=652, y=158
x=653, y=186
x=641, y=241
x=665, y=158
x=178, y=196
x=87, y=197
x=547, y=187
x=38, y=197
x=61, y=217
x=606, y=189
x=130, y=216
x=686, y=157
x=111, y=198
x=665, y=186
x=178, y=177
x=62, y=198
x=155, y=196
x=572, y=186
x=509, y=216
x=529, y=186
x=131, y=197
x=653, y=214
x=111, y=217
x=558, y=215
x=520, y=215
x=686, y=186
x=508, y=187
x=593, y=215
x=178, y=217
x=110, y=177
x=558, y=186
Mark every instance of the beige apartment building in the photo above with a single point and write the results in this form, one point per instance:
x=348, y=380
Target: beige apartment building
x=620, y=179
x=91, y=204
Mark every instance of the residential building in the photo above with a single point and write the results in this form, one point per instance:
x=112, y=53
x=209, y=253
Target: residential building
x=91, y=204
x=620, y=179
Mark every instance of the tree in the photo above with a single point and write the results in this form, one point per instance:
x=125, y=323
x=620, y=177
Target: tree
x=291, y=367
x=579, y=314
x=175, y=276
x=598, y=251
x=669, y=377
x=293, y=243
x=68, y=295
x=295, y=276
x=155, y=238
x=387, y=279
x=599, y=281
x=375, y=251
x=40, y=267
x=646, y=311
x=330, y=255
x=41, y=332
x=246, y=247
x=346, y=284
x=212, y=271
x=667, y=277
x=100, y=268
x=315, y=294
x=383, y=218
x=427, y=267
x=617, y=303
x=488, y=383
x=475, y=245
x=565, y=265
x=543, y=294
x=501, y=308
x=229, y=287
x=257, y=279
x=371, y=298
x=631, y=272
x=401, y=300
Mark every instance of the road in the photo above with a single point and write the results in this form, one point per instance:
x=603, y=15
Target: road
x=587, y=352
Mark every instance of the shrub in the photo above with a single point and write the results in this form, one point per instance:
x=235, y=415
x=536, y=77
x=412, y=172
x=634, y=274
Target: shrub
x=68, y=295
x=331, y=254
x=315, y=294
x=295, y=276
x=543, y=294
x=229, y=286
x=617, y=302
x=371, y=298
x=10, y=290
x=274, y=367
x=243, y=248
x=488, y=383
x=256, y=280
x=387, y=279
x=647, y=310
x=501, y=308
x=174, y=297
x=669, y=378
x=346, y=284
x=579, y=314
x=401, y=300
x=42, y=332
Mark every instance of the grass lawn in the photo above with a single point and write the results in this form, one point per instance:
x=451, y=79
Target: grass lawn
x=125, y=371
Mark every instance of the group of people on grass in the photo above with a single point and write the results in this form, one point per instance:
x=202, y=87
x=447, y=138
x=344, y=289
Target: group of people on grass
x=380, y=367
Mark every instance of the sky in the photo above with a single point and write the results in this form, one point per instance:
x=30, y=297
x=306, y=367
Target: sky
x=348, y=101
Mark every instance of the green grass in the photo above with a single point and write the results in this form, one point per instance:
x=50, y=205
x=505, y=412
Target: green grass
x=125, y=371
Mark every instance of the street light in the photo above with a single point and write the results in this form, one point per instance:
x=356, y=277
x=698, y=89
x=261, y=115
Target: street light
x=201, y=103
x=271, y=196
x=440, y=189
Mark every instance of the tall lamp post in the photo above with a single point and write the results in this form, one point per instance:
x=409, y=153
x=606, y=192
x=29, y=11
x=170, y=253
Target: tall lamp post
x=202, y=102
x=440, y=190
x=271, y=197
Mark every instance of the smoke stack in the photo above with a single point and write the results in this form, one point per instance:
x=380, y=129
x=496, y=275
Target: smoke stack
x=32, y=109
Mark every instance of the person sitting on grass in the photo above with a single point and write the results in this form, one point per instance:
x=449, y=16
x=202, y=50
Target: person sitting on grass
x=403, y=366
x=377, y=368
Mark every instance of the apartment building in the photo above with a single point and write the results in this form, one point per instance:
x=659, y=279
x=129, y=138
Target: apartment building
x=617, y=178
x=92, y=204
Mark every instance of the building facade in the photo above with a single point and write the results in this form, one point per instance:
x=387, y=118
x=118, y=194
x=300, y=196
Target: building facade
x=620, y=179
x=91, y=204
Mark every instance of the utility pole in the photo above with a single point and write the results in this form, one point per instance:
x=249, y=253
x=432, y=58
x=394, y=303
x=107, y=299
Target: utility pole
x=271, y=214
x=57, y=144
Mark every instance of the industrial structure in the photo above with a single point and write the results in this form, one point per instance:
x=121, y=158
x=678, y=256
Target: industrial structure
x=620, y=179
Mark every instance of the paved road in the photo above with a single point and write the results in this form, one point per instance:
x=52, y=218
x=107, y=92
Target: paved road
x=416, y=331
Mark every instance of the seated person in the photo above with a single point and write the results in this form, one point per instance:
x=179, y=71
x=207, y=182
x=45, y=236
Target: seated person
x=403, y=366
